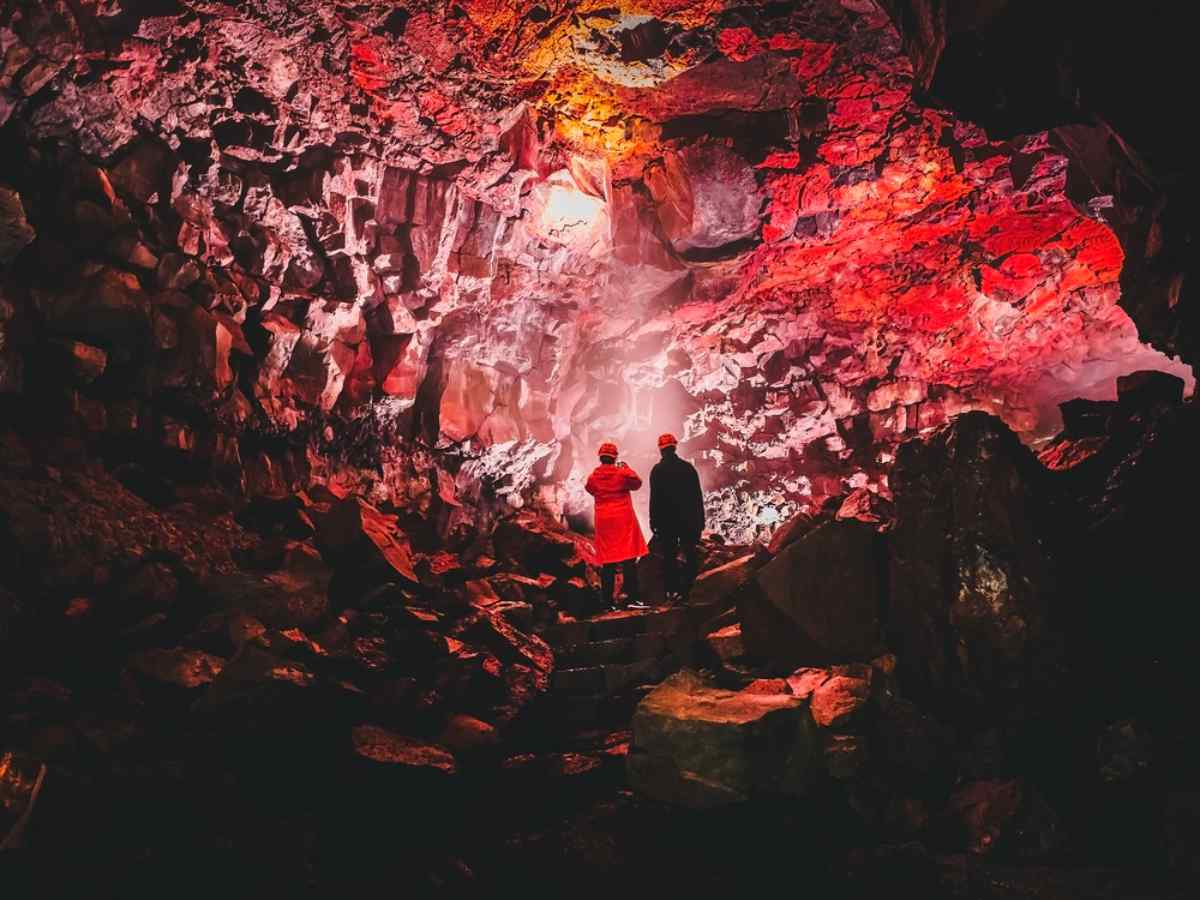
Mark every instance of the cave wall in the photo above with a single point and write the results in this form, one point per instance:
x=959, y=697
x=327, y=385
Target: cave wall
x=1116, y=81
x=436, y=253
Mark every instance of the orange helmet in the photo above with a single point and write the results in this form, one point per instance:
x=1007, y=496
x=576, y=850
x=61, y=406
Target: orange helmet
x=608, y=448
x=667, y=440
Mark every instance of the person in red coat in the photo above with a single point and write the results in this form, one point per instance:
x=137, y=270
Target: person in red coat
x=618, y=536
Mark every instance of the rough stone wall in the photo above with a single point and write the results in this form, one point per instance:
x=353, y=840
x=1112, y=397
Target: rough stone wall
x=437, y=252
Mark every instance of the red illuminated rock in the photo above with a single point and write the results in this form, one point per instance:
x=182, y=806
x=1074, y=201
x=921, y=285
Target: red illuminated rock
x=381, y=746
x=699, y=746
x=179, y=666
x=533, y=269
x=707, y=197
x=355, y=534
x=841, y=698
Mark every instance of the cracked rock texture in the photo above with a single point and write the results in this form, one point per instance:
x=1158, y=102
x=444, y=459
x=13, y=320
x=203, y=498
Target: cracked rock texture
x=435, y=253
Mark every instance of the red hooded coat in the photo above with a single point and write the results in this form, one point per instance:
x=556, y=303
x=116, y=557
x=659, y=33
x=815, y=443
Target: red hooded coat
x=618, y=534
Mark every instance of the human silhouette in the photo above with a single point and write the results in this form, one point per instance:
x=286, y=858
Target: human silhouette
x=676, y=517
x=619, y=538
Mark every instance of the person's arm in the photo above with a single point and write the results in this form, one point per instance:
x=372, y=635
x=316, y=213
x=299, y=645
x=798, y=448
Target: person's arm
x=699, y=501
x=633, y=480
x=590, y=486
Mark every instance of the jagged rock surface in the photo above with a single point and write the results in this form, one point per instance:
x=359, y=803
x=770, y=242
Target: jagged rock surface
x=442, y=255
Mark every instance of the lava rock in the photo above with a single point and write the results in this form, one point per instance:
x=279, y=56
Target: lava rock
x=180, y=666
x=386, y=748
x=531, y=542
x=1146, y=388
x=706, y=196
x=841, y=699
x=295, y=595
x=354, y=535
x=972, y=581
x=726, y=643
x=15, y=231
x=721, y=584
x=697, y=745
x=819, y=600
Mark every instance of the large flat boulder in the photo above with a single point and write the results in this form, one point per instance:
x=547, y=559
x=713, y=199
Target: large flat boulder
x=698, y=745
x=819, y=600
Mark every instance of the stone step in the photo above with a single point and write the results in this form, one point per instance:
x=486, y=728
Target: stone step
x=617, y=650
x=629, y=623
x=611, y=678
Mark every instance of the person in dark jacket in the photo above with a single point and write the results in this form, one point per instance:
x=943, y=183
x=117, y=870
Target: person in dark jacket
x=676, y=517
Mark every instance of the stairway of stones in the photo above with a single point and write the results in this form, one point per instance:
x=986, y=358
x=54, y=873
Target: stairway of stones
x=602, y=661
x=579, y=733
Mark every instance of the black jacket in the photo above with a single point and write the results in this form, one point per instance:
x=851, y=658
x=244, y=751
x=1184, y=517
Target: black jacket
x=676, y=502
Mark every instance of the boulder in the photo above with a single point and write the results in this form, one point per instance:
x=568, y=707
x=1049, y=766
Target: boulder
x=707, y=197
x=819, y=600
x=791, y=531
x=971, y=580
x=697, y=745
x=15, y=231
x=534, y=544
x=84, y=362
x=296, y=595
x=379, y=745
x=466, y=734
x=841, y=699
x=864, y=505
x=1147, y=388
x=182, y=667
x=492, y=631
x=355, y=535
x=726, y=643
x=492, y=670
x=720, y=585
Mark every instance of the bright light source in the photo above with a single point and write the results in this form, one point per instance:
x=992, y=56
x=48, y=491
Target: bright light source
x=567, y=208
x=563, y=214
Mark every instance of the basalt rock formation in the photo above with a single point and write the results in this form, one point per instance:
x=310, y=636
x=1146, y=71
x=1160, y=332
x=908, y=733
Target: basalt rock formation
x=434, y=254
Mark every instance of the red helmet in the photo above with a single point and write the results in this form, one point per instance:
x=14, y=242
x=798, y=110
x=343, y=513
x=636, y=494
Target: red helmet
x=608, y=448
x=667, y=440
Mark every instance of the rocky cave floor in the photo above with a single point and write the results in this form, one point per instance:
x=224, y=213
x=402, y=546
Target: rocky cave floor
x=279, y=695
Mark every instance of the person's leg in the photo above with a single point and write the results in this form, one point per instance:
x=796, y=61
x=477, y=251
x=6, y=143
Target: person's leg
x=691, y=564
x=608, y=581
x=633, y=593
x=670, y=557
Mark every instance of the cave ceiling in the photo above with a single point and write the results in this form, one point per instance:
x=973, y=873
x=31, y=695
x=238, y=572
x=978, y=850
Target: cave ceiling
x=449, y=248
